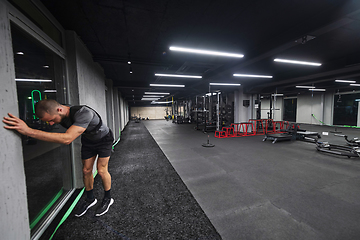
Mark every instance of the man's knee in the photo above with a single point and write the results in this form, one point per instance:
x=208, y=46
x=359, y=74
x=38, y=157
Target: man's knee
x=87, y=171
x=103, y=171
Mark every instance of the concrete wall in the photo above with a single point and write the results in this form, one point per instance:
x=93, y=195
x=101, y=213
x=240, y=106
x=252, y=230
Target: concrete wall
x=116, y=112
x=14, y=219
x=150, y=112
x=91, y=80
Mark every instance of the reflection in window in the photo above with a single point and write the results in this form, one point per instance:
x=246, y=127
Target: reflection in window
x=346, y=109
x=39, y=75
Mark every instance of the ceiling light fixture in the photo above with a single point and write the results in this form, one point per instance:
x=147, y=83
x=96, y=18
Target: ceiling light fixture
x=165, y=85
x=50, y=91
x=317, y=89
x=153, y=102
x=297, y=62
x=145, y=96
x=156, y=93
x=20, y=53
x=207, y=52
x=225, y=84
x=32, y=80
x=250, y=75
x=149, y=99
x=356, y=85
x=305, y=86
x=345, y=81
x=176, y=75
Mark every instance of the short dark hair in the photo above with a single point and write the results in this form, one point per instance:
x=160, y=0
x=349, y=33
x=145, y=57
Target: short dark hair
x=46, y=105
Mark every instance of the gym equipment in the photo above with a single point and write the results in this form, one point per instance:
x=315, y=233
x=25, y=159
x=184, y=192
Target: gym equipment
x=208, y=144
x=293, y=132
x=347, y=151
x=355, y=142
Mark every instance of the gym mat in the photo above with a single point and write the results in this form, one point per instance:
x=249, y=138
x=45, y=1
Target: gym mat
x=151, y=200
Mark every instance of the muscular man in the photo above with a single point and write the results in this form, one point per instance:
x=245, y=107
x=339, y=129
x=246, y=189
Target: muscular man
x=96, y=139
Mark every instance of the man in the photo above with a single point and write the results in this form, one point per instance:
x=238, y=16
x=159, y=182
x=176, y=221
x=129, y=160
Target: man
x=96, y=140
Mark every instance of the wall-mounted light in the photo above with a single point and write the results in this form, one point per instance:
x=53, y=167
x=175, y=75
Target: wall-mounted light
x=176, y=75
x=207, y=52
x=165, y=85
x=296, y=62
x=251, y=75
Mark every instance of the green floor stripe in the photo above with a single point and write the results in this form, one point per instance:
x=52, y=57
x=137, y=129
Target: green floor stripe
x=45, y=209
x=66, y=215
x=117, y=141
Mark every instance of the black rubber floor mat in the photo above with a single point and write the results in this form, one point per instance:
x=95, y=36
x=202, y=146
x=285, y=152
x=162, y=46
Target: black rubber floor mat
x=151, y=200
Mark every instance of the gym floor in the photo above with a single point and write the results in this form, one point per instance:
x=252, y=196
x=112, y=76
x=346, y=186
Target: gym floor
x=250, y=189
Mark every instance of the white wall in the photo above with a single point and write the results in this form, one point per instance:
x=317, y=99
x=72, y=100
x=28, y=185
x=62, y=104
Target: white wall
x=241, y=113
x=308, y=104
x=14, y=219
x=157, y=112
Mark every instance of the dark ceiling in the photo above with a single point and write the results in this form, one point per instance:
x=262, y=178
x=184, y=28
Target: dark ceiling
x=324, y=31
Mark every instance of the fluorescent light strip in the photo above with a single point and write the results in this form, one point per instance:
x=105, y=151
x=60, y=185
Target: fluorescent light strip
x=176, y=75
x=225, y=84
x=250, y=75
x=318, y=89
x=345, y=81
x=50, y=91
x=149, y=99
x=144, y=96
x=165, y=85
x=161, y=102
x=356, y=85
x=32, y=80
x=297, y=62
x=156, y=93
x=305, y=86
x=277, y=94
x=207, y=52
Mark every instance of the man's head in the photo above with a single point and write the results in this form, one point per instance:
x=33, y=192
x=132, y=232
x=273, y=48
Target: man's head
x=49, y=110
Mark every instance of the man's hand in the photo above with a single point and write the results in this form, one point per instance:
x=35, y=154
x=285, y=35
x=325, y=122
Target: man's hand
x=17, y=124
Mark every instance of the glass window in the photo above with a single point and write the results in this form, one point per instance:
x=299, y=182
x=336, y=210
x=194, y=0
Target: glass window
x=290, y=109
x=39, y=74
x=27, y=8
x=346, y=109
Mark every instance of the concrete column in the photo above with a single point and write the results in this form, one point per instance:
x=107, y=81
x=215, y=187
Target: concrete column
x=13, y=198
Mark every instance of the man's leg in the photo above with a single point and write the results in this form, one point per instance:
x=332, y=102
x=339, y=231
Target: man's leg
x=102, y=166
x=88, y=179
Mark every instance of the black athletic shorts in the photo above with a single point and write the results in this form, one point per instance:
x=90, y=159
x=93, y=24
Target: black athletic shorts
x=102, y=147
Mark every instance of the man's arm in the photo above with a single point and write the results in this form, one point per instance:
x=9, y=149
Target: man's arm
x=19, y=125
